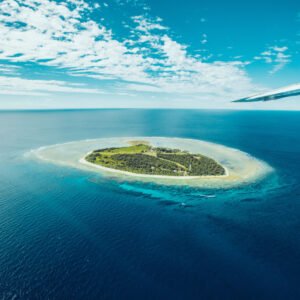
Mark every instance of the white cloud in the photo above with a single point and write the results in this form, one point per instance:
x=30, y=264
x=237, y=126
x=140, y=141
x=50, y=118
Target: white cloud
x=143, y=88
x=62, y=35
x=145, y=25
x=276, y=56
x=204, y=39
x=6, y=69
x=19, y=86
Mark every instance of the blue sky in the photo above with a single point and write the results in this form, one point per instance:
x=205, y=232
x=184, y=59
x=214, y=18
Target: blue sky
x=135, y=53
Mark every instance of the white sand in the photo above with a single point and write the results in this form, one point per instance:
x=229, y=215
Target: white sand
x=240, y=167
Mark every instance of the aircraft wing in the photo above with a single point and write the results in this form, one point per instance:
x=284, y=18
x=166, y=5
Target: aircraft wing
x=288, y=91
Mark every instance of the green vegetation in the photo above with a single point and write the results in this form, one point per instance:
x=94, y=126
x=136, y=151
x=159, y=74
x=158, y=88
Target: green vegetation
x=144, y=159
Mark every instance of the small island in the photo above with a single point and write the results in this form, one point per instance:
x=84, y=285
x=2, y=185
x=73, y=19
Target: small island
x=158, y=160
x=142, y=158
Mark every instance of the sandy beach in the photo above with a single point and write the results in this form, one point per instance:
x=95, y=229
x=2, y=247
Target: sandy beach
x=241, y=168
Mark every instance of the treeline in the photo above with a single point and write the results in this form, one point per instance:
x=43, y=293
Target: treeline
x=196, y=165
x=106, y=149
x=92, y=157
x=172, y=162
x=146, y=164
x=166, y=150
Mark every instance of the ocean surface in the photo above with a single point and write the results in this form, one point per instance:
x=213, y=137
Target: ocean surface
x=71, y=234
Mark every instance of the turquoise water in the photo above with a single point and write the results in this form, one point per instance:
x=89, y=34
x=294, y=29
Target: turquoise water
x=70, y=234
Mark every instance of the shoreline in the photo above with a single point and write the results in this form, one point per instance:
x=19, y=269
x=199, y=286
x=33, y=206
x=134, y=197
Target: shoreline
x=240, y=167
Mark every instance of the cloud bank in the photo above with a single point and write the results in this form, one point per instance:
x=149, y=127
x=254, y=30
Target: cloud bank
x=71, y=37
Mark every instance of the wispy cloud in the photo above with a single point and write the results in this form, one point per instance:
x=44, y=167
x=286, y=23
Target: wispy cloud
x=18, y=86
x=204, y=39
x=7, y=69
x=276, y=56
x=64, y=35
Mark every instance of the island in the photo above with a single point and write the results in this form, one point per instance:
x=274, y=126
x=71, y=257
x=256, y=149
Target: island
x=198, y=164
x=143, y=158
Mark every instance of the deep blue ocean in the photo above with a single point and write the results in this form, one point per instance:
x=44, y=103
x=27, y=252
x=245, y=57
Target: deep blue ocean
x=71, y=234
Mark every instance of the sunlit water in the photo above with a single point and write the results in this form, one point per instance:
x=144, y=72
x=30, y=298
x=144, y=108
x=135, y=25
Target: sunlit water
x=73, y=234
